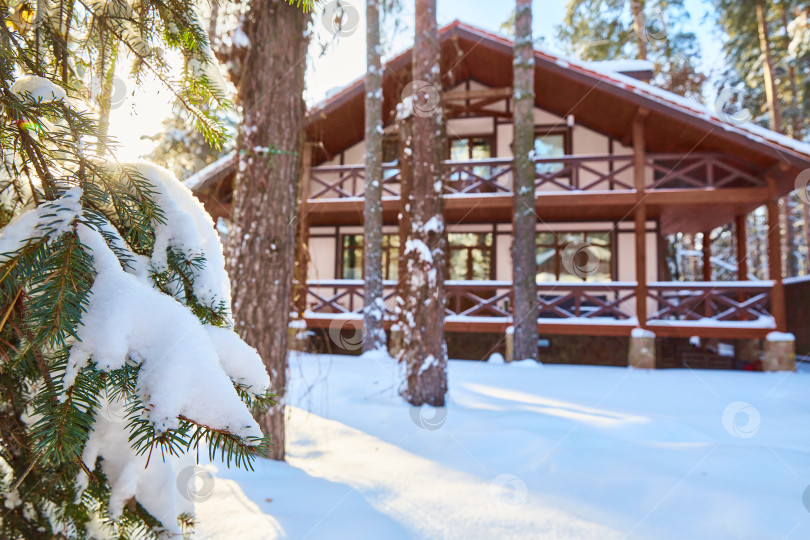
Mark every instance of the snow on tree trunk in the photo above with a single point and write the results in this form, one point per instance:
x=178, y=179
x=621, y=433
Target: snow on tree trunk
x=262, y=243
x=524, y=264
x=374, y=337
x=422, y=306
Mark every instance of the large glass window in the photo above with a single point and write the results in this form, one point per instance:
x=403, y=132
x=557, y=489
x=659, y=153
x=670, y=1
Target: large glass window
x=574, y=256
x=351, y=259
x=470, y=256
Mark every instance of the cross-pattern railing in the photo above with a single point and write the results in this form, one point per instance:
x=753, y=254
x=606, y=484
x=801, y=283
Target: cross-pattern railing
x=738, y=301
x=342, y=181
x=559, y=173
x=344, y=296
x=485, y=299
x=698, y=171
x=586, y=300
x=711, y=303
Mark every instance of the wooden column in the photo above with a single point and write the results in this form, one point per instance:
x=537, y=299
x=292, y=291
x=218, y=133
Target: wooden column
x=775, y=258
x=707, y=255
x=302, y=241
x=706, y=240
x=742, y=247
x=640, y=217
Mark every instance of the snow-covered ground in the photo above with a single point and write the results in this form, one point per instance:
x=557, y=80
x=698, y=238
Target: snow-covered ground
x=528, y=451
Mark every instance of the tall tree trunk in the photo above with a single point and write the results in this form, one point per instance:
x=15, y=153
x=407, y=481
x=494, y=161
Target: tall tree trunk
x=774, y=113
x=524, y=251
x=796, y=133
x=795, y=125
x=262, y=241
x=374, y=338
x=640, y=27
x=425, y=351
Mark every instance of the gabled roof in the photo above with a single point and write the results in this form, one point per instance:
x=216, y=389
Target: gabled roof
x=597, y=96
x=594, y=93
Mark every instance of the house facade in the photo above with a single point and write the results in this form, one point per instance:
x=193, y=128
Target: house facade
x=619, y=165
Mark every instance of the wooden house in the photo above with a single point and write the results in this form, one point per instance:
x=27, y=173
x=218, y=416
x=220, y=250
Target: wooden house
x=619, y=164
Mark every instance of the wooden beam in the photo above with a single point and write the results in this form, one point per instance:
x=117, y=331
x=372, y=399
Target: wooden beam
x=640, y=218
x=775, y=258
x=725, y=196
x=742, y=246
x=463, y=95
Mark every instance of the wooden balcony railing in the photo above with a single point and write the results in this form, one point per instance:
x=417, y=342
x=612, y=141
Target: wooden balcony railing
x=712, y=302
x=563, y=173
x=586, y=300
x=676, y=304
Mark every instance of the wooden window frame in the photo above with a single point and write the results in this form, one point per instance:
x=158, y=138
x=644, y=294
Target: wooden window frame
x=386, y=256
x=491, y=248
x=559, y=247
x=488, y=136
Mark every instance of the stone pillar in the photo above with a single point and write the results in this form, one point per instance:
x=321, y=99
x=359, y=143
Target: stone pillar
x=395, y=341
x=297, y=335
x=748, y=351
x=509, y=337
x=641, y=353
x=780, y=352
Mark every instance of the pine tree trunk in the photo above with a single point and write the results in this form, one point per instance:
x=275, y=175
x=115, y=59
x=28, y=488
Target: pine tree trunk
x=774, y=112
x=795, y=125
x=640, y=26
x=796, y=133
x=425, y=352
x=374, y=338
x=524, y=252
x=262, y=240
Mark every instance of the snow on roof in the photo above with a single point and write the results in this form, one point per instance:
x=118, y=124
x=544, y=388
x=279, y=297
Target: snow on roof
x=196, y=180
x=624, y=66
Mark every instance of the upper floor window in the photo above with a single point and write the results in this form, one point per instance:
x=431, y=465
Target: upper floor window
x=390, y=149
x=550, y=144
x=467, y=148
x=351, y=256
x=470, y=256
x=574, y=256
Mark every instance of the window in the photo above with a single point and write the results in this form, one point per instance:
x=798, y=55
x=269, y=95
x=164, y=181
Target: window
x=351, y=259
x=549, y=145
x=352, y=256
x=390, y=149
x=470, y=256
x=470, y=148
x=466, y=148
x=574, y=256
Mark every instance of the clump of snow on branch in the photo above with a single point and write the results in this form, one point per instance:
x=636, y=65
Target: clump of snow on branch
x=189, y=229
x=39, y=89
x=49, y=220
